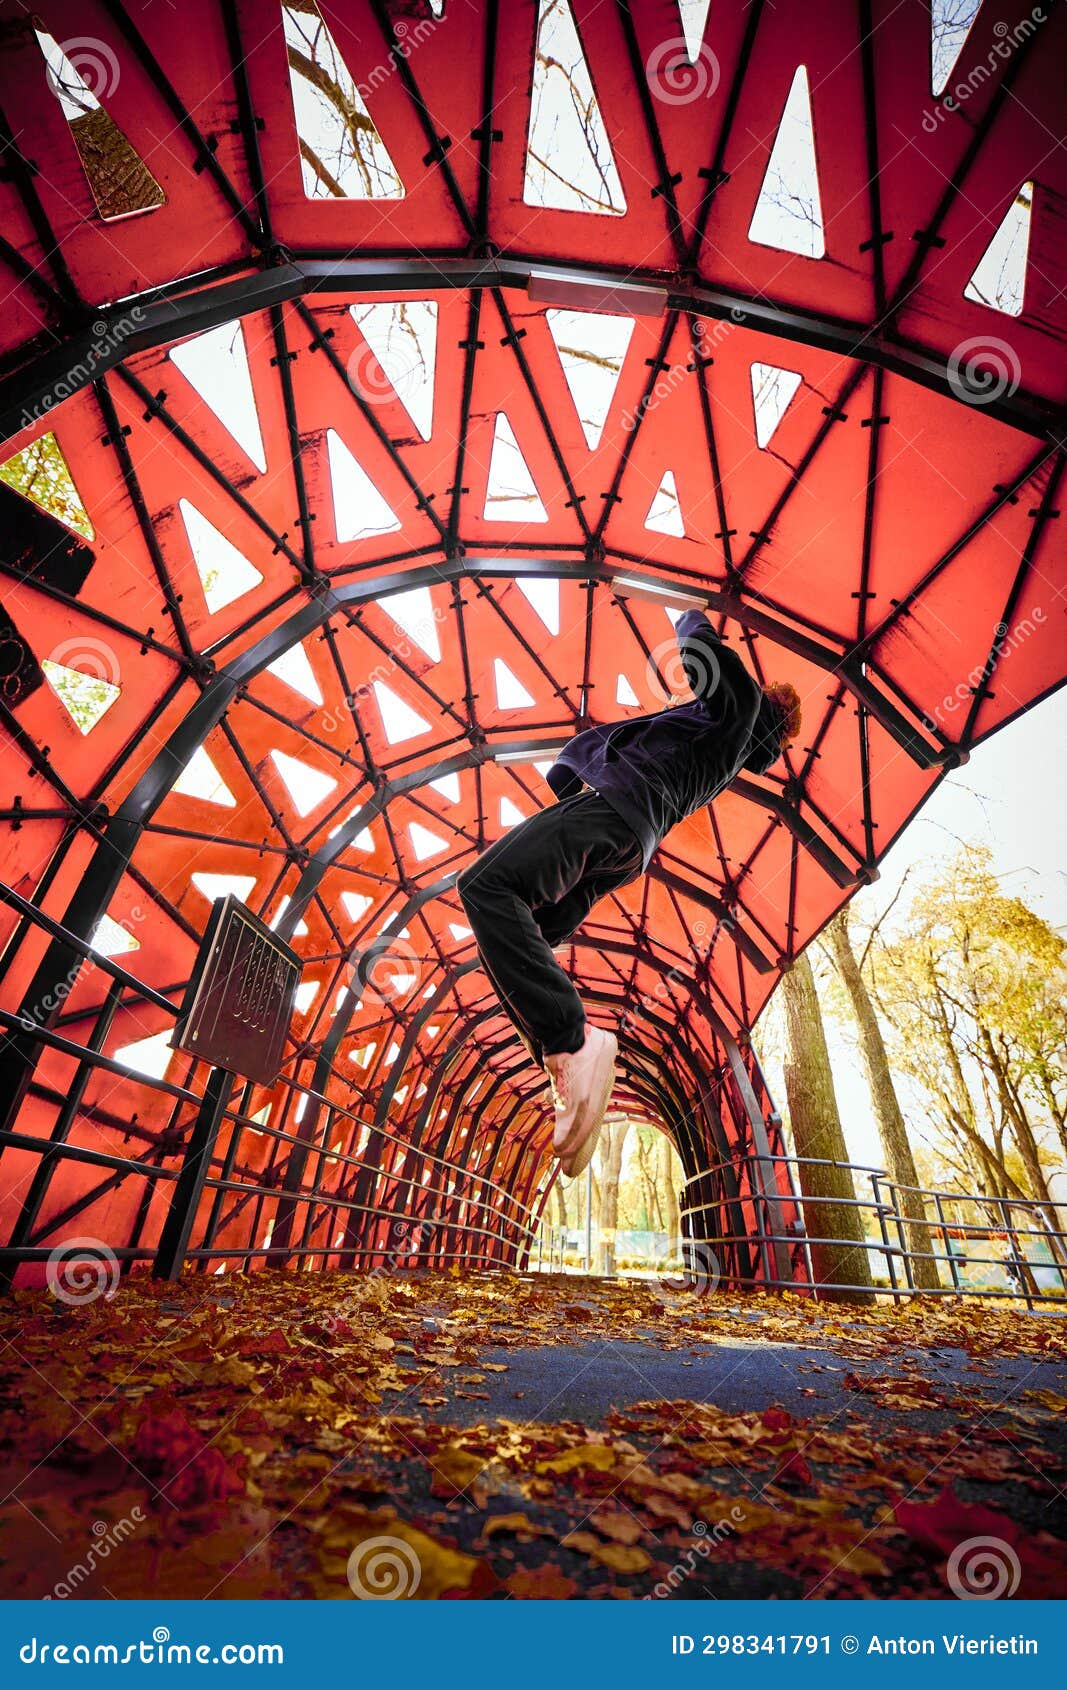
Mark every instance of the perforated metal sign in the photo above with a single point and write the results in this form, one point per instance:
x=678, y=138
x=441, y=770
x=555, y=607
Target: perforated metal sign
x=239, y=1001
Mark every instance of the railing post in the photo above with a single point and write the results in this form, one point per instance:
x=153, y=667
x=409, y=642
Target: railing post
x=880, y=1211
x=953, y=1269
x=174, y=1240
x=1018, y=1260
x=764, y=1163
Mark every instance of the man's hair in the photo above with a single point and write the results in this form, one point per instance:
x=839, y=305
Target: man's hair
x=777, y=726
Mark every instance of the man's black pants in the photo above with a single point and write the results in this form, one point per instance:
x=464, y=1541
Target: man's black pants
x=527, y=893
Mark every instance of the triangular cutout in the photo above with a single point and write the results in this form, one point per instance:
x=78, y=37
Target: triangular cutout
x=413, y=614
x=510, y=692
x=362, y=1056
x=543, y=598
x=999, y=279
x=342, y=155
x=306, y=993
x=109, y=939
x=225, y=573
x=694, y=15
x=402, y=335
x=399, y=720
x=772, y=390
x=307, y=787
x=569, y=162
x=40, y=473
x=301, y=928
x=592, y=346
x=121, y=183
x=356, y=904
x=458, y=931
x=424, y=843
x=359, y=510
x=150, y=1057
x=510, y=813
x=216, y=365
x=951, y=21
x=214, y=886
x=85, y=698
x=511, y=493
x=788, y=214
x=665, y=512
x=448, y=787
x=201, y=779
x=294, y=668
x=624, y=693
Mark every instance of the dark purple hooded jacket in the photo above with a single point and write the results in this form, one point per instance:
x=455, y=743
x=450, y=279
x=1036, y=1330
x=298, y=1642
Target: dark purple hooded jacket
x=655, y=770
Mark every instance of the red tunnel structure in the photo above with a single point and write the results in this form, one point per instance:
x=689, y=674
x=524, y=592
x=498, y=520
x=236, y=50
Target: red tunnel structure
x=378, y=381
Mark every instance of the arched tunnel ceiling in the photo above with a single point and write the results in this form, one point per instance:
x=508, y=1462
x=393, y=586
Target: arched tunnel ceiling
x=381, y=498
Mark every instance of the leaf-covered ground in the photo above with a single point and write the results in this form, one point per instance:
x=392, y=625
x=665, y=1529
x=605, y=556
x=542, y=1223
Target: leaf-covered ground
x=289, y=1436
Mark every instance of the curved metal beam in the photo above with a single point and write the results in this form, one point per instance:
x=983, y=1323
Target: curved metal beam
x=193, y=304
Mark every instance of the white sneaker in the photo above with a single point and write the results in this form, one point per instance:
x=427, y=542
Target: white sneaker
x=581, y=1083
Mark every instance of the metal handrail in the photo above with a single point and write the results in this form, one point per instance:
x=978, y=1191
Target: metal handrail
x=886, y=1207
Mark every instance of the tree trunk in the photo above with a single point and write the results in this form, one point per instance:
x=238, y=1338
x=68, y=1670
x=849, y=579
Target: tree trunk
x=892, y=1131
x=612, y=1143
x=838, y=1251
x=670, y=1195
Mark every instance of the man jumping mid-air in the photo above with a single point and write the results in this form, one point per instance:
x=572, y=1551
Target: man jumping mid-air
x=620, y=788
